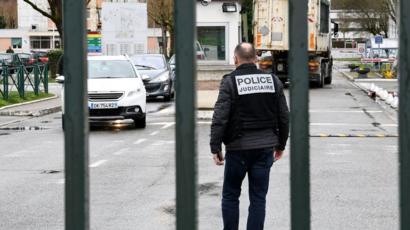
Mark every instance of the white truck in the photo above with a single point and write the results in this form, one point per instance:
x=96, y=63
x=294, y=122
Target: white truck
x=271, y=33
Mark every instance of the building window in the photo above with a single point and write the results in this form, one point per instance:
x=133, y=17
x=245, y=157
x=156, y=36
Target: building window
x=324, y=17
x=211, y=43
x=44, y=42
x=16, y=43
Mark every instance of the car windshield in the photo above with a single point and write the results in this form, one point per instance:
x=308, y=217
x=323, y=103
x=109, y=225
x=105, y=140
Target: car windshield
x=110, y=69
x=6, y=56
x=148, y=62
x=24, y=55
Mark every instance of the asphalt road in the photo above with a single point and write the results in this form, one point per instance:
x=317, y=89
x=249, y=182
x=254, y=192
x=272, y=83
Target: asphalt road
x=354, y=180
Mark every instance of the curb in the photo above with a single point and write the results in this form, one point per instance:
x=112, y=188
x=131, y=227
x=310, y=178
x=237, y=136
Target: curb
x=39, y=113
x=28, y=103
x=366, y=79
x=347, y=76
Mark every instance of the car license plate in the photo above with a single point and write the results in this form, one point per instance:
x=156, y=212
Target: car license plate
x=103, y=105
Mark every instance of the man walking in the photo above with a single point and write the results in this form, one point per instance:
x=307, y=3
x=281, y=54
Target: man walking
x=251, y=119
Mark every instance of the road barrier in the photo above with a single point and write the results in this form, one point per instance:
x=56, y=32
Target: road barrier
x=24, y=78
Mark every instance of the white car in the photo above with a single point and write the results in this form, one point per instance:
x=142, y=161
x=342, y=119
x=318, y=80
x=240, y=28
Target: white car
x=115, y=90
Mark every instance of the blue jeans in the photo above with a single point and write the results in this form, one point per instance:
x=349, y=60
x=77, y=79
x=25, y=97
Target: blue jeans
x=257, y=163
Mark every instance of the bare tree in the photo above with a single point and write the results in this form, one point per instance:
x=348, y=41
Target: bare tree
x=372, y=15
x=162, y=14
x=8, y=14
x=54, y=12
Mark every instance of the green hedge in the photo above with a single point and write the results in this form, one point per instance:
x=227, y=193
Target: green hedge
x=53, y=57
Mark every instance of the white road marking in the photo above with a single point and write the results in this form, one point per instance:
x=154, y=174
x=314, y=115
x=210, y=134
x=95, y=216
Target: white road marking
x=312, y=124
x=139, y=141
x=154, y=133
x=344, y=111
x=168, y=125
x=204, y=122
x=98, y=163
x=121, y=151
x=160, y=143
x=351, y=124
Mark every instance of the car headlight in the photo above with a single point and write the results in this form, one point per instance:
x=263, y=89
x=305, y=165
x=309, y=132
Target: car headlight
x=132, y=93
x=163, y=77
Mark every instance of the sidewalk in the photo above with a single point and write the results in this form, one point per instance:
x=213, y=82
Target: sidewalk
x=384, y=89
x=36, y=108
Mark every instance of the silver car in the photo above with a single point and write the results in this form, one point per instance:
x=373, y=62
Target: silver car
x=157, y=75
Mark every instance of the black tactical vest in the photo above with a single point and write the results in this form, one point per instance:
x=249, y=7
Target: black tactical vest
x=255, y=103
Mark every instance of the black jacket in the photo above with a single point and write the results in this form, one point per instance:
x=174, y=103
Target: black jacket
x=249, y=139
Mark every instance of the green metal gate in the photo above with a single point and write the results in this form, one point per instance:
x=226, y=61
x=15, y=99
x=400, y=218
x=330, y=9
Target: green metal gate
x=76, y=134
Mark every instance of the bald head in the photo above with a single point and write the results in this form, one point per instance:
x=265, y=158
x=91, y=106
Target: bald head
x=245, y=53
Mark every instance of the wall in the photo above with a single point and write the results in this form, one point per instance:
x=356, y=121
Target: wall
x=5, y=39
x=212, y=15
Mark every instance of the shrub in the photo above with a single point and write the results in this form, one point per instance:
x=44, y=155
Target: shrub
x=53, y=57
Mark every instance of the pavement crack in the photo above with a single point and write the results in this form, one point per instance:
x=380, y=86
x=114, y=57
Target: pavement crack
x=50, y=171
x=207, y=188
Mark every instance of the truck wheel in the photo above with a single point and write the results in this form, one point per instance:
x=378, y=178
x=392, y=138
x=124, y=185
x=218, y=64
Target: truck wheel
x=321, y=82
x=328, y=79
x=140, y=123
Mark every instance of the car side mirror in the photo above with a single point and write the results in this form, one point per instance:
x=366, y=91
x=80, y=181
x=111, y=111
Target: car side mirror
x=60, y=79
x=145, y=77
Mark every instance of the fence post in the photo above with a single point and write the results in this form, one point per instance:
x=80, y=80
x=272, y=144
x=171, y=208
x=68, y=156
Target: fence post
x=404, y=115
x=20, y=80
x=186, y=152
x=75, y=116
x=5, y=82
x=36, y=78
x=45, y=78
x=299, y=117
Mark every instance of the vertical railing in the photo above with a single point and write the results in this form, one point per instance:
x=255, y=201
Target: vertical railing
x=37, y=73
x=45, y=78
x=186, y=202
x=299, y=117
x=404, y=115
x=20, y=80
x=75, y=117
x=5, y=76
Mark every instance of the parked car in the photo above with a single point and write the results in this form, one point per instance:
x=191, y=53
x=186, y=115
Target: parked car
x=40, y=56
x=157, y=75
x=27, y=60
x=11, y=60
x=115, y=90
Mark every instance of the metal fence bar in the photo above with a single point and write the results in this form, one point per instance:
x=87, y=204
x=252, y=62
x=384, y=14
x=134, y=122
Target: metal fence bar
x=5, y=83
x=186, y=152
x=20, y=81
x=45, y=78
x=404, y=115
x=299, y=106
x=37, y=73
x=75, y=117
